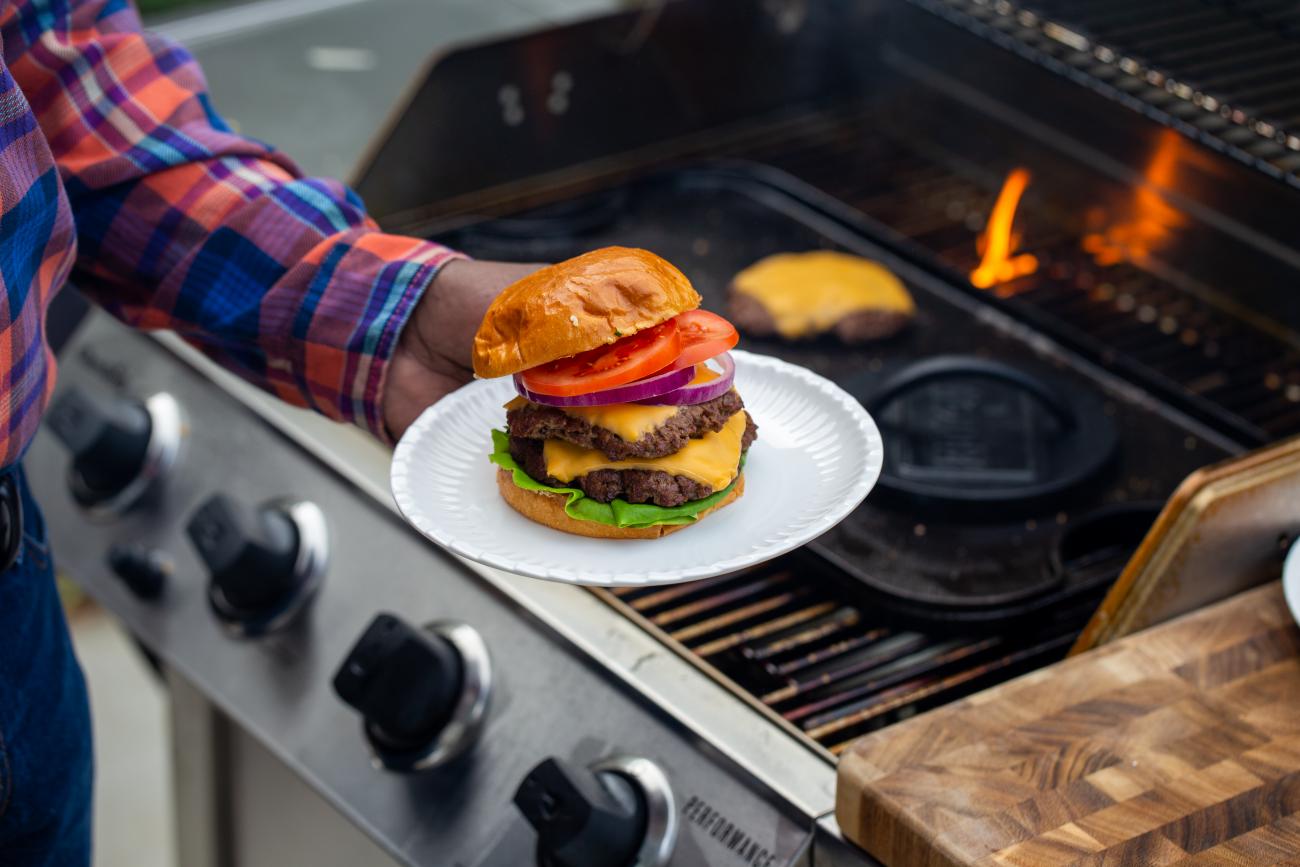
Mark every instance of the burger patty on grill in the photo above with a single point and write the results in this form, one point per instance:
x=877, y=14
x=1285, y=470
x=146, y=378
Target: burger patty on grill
x=634, y=486
x=538, y=422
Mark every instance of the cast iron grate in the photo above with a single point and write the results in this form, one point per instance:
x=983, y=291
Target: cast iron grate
x=818, y=657
x=1221, y=70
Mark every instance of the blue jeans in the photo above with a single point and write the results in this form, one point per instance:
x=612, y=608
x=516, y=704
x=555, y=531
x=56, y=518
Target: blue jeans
x=46, y=761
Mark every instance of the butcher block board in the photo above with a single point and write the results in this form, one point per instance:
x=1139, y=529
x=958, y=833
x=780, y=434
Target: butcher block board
x=1176, y=745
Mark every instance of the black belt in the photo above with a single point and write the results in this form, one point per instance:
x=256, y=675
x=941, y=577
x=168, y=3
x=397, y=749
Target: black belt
x=11, y=520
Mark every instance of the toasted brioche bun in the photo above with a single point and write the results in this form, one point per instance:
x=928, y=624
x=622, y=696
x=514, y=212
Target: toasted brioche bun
x=579, y=304
x=546, y=508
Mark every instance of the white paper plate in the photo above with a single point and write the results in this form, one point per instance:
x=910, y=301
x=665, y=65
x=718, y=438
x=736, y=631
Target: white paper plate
x=817, y=455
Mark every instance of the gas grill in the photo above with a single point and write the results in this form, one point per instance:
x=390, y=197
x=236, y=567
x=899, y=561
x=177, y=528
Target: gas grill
x=1090, y=203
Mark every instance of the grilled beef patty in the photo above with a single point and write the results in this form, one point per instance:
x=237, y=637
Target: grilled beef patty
x=691, y=422
x=864, y=326
x=634, y=486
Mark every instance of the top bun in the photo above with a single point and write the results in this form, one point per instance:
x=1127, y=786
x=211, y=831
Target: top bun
x=579, y=304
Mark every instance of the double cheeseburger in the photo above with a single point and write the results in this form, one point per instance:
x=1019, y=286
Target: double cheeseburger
x=626, y=425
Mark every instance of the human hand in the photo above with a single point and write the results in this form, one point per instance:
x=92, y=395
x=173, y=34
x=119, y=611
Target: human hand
x=432, y=358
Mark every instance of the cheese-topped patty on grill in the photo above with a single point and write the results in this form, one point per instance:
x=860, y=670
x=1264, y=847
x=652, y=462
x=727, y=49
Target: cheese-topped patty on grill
x=702, y=466
x=622, y=431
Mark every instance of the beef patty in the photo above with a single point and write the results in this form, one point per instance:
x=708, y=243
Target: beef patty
x=691, y=422
x=634, y=486
x=863, y=326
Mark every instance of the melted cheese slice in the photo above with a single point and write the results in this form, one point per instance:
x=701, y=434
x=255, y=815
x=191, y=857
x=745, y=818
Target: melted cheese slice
x=704, y=374
x=808, y=293
x=629, y=421
x=710, y=460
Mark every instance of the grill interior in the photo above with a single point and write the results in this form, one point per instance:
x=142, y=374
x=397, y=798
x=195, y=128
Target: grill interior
x=817, y=640
x=1143, y=293
x=1191, y=343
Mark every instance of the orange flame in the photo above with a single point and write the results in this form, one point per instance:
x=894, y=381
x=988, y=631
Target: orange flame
x=1153, y=219
x=999, y=238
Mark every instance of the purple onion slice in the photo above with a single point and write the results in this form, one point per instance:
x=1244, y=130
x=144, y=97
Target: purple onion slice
x=705, y=391
x=633, y=392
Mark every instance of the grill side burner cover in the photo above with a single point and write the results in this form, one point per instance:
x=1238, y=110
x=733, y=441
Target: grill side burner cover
x=982, y=439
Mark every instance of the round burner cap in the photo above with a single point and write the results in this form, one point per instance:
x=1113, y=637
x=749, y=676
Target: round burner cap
x=981, y=439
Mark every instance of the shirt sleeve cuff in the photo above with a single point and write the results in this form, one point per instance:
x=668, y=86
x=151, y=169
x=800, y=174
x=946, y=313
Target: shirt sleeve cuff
x=366, y=394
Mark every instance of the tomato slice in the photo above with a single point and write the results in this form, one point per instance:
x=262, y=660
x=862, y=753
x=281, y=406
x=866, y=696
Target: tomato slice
x=704, y=335
x=633, y=357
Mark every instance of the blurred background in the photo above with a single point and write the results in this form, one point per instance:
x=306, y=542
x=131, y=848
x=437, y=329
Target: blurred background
x=317, y=79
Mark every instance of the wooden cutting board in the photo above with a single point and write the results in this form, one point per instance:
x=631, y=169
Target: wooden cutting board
x=1177, y=745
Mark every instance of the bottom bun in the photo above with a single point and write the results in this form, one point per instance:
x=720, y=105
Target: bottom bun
x=546, y=508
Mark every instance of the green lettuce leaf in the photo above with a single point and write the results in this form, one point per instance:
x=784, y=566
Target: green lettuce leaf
x=619, y=513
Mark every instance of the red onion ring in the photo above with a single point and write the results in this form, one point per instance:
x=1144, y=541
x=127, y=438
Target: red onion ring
x=633, y=392
x=705, y=391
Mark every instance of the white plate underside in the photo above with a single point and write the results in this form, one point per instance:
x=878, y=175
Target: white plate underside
x=817, y=456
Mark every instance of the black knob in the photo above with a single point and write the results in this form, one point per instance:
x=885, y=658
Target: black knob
x=251, y=554
x=108, y=439
x=405, y=682
x=143, y=570
x=583, y=818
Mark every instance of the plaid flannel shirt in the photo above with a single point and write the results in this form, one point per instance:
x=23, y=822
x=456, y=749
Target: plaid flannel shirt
x=115, y=169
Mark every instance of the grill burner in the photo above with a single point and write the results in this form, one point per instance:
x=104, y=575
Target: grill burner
x=979, y=438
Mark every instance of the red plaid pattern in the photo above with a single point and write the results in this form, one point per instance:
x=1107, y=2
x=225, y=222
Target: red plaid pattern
x=114, y=168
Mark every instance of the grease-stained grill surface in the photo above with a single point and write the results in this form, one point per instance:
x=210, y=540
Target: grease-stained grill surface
x=1176, y=745
x=817, y=456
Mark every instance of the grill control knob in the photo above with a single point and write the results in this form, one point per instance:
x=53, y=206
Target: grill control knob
x=423, y=693
x=264, y=562
x=143, y=570
x=616, y=813
x=119, y=447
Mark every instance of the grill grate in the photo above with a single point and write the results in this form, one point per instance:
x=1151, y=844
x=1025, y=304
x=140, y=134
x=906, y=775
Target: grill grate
x=815, y=655
x=1222, y=70
x=1158, y=331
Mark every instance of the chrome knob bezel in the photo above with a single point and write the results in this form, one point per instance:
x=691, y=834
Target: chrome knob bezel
x=661, y=826
x=308, y=571
x=166, y=428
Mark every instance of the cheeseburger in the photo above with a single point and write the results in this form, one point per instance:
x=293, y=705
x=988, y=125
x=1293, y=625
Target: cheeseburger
x=626, y=424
